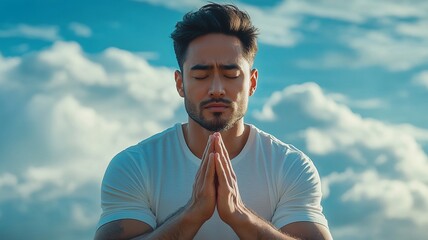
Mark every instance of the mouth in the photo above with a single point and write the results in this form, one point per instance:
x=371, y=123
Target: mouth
x=216, y=107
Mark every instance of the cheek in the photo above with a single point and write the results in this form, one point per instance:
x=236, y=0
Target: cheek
x=242, y=90
x=242, y=97
x=193, y=94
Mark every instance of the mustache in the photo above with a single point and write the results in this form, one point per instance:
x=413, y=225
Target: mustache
x=215, y=100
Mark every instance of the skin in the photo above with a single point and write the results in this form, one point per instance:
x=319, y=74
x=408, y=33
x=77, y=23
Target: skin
x=214, y=69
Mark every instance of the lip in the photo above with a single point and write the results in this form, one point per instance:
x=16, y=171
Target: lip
x=216, y=107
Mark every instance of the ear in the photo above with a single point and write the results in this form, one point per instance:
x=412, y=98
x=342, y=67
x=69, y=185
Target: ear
x=179, y=83
x=253, y=81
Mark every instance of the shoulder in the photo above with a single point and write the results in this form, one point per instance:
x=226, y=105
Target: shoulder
x=289, y=161
x=135, y=155
x=156, y=140
x=268, y=141
x=166, y=135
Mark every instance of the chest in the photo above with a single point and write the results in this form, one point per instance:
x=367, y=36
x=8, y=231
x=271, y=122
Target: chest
x=172, y=189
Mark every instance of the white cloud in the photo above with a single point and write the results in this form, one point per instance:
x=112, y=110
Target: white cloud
x=371, y=103
x=83, y=109
x=6, y=65
x=114, y=69
x=418, y=29
x=381, y=49
x=82, y=216
x=281, y=24
x=370, y=186
x=387, y=161
x=8, y=179
x=183, y=5
x=344, y=131
x=66, y=62
x=374, y=48
x=277, y=25
x=357, y=11
x=328, y=60
x=421, y=79
x=419, y=134
x=47, y=33
x=80, y=29
x=390, y=42
x=143, y=81
x=64, y=68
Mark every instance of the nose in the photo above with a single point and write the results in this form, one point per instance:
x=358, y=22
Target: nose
x=216, y=88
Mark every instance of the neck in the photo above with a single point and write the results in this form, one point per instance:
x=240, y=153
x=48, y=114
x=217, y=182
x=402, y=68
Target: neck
x=234, y=138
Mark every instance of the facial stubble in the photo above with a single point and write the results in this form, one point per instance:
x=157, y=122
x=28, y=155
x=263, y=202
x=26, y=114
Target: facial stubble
x=217, y=124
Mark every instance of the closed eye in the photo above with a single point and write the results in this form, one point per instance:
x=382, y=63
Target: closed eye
x=200, y=77
x=231, y=77
x=231, y=73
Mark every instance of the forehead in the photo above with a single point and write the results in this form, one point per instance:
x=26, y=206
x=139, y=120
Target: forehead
x=214, y=49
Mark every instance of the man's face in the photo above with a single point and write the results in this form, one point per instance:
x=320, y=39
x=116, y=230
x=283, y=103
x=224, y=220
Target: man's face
x=216, y=81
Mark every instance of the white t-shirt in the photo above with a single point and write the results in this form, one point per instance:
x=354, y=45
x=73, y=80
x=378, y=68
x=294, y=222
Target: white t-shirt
x=153, y=179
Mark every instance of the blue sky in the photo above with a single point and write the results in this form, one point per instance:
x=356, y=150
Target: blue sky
x=345, y=81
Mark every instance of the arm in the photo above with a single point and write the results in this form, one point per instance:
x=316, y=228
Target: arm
x=254, y=227
x=181, y=225
x=307, y=230
x=122, y=229
x=185, y=223
x=245, y=223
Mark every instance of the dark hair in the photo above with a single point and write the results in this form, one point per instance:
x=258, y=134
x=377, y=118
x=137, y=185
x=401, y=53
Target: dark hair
x=215, y=18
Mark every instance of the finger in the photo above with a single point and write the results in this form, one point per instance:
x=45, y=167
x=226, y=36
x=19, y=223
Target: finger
x=205, y=156
x=210, y=170
x=208, y=147
x=223, y=147
x=224, y=155
x=201, y=178
x=221, y=172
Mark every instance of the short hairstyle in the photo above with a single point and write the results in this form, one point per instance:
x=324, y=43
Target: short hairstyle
x=215, y=18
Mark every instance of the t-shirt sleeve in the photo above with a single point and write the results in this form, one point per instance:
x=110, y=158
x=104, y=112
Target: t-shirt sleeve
x=123, y=191
x=300, y=193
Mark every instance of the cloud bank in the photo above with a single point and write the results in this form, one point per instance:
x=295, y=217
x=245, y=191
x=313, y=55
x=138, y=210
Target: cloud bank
x=380, y=168
x=80, y=110
x=46, y=33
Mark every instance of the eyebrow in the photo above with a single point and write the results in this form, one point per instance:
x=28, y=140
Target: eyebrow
x=201, y=67
x=208, y=67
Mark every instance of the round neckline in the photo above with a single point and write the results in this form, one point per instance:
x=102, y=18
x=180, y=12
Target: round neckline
x=189, y=155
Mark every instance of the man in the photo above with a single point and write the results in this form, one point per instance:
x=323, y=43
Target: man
x=183, y=183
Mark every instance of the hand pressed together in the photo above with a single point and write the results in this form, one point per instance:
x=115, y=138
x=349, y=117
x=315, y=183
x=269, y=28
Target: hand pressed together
x=229, y=203
x=216, y=185
x=203, y=201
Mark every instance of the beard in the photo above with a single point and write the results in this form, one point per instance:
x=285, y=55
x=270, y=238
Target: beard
x=218, y=123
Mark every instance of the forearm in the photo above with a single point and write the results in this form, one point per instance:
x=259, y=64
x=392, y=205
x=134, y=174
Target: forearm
x=179, y=226
x=251, y=226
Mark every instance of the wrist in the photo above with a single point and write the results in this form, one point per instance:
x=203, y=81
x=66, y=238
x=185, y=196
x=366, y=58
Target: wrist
x=243, y=223
x=192, y=216
x=182, y=225
x=250, y=226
